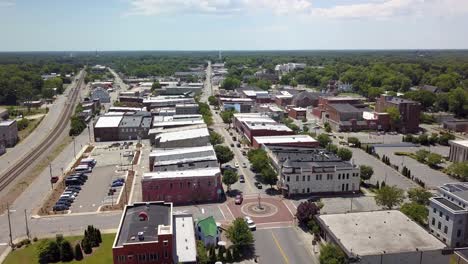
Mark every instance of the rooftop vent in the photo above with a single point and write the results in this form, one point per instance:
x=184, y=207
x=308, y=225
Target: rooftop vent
x=141, y=236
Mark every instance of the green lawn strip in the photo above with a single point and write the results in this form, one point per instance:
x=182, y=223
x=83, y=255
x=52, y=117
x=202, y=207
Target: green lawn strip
x=102, y=254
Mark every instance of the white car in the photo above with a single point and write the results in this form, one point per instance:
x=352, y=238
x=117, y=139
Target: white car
x=250, y=223
x=236, y=165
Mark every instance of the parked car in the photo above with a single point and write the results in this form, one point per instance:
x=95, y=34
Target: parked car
x=59, y=208
x=244, y=152
x=74, y=187
x=241, y=178
x=88, y=161
x=239, y=199
x=118, y=180
x=83, y=168
x=244, y=165
x=250, y=223
x=117, y=184
x=74, y=181
x=64, y=202
x=238, y=145
x=54, y=179
x=232, y=145
x=258, y=185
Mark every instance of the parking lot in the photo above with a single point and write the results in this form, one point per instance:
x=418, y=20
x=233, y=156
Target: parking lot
x=112, y=163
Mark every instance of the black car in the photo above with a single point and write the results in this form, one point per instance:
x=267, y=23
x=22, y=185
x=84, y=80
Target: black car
x=59, y=207
x=259, y=185
x=63, y=202
x=75, y=187
x=80, y=175
x=77, y=178
x=69, y=182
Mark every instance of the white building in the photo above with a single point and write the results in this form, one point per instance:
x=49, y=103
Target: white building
x=311, y=171
x=382, y=237
x=185, y=249
x=458, y=150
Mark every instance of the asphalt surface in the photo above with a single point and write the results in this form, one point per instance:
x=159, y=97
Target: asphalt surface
x=282, y=246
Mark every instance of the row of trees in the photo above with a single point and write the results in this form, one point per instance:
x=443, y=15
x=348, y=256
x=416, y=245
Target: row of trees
x=433, y=139
x=205, y=111
x=260, y=163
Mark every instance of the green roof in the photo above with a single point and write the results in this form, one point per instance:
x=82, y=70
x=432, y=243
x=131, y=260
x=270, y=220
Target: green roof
x=208, y=226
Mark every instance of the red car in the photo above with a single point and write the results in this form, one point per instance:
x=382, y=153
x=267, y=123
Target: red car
x=239, y=199
x=54, y=179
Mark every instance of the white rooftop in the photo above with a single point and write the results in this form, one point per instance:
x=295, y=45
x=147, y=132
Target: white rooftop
x=202, y=172
x=108, y=121
x=463, y=143
x=254, y=93
x=185, y=134
x=229, y=99
x=186, y=250
x=179, y=151
x=377, y=232
x=285, y=139
x=179, y=123
x=299, y=109
x=6, y=122
x=267, y=126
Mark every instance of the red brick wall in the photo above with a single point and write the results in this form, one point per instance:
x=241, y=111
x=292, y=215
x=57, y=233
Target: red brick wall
x=145, y=248
x=182, y=190
x=297, y=114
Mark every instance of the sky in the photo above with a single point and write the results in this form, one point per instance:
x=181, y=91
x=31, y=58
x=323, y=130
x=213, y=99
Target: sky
x=69, y=25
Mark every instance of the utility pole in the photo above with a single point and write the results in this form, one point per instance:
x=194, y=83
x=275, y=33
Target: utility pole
x=26, y=221
x=74, y=147
x=9, y=225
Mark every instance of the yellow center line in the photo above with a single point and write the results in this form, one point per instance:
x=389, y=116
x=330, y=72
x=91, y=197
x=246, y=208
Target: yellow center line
x=280, y=248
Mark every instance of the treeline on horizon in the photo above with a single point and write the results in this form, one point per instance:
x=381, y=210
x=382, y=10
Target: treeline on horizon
x=369, y=71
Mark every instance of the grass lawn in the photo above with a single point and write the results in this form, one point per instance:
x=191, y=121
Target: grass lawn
x=103, y=254
x=22, y=134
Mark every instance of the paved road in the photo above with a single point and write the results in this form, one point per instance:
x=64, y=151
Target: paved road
x=283, y=246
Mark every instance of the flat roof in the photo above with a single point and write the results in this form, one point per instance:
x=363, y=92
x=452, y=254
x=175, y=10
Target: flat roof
x=185, y=247
x=378, y=232
x=158, y=221
x=131, y=121
x=7, y=122
x=108, y=121
x=201, y=172
x=299, y=109
x=267, y=126
x=178, y=123
x=159, y=130
x=229, y=99
x=185, y=134
x=345, y=108
x=463, y=143
x=182, y=155
x=285, y=139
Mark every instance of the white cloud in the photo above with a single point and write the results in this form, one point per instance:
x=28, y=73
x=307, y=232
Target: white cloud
x=6, y=3
x=370, y=9
x=156, y=7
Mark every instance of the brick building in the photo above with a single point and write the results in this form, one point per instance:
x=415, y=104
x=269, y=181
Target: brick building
x=9, y=132
x=150, y=233
x=183, y=187
x=298, y=113
x=182, y=158
x=409, y=112
x=255, y=124
x=305, y=99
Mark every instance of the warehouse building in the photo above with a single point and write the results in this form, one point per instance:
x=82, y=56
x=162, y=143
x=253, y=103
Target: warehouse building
x=185, y=138
x=9, y=132
x=182, y=158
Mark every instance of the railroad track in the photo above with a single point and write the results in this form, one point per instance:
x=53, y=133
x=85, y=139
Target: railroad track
x=34, y=154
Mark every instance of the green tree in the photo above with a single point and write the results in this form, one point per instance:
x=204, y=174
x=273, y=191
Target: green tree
x=86, y=245
x=354, y=141
x=22, y=123
x=332, y=148
x=419, y=195
x=212, y=100
x=229, y=178
x=48, y=252
x=366, y=172
x=230, y=83
x=394, y=115
x=421, y=155
x=269, y=176
x=227, y=116
x=434, y=159
x=240, y=235
x=327, y=127
x=306, y=212
x=458, y=102
x=66, y=251
x=77, y=126
x=389, y=196
x=155, y=86
x=201, y=253
x=331, y=254
x=344, y=154
x=459, y=169
x=78, y=252
x=415, y=211
x=445, y=137
x=323, y=140
x=215, y=138
x=258, y=159
x=223, y=153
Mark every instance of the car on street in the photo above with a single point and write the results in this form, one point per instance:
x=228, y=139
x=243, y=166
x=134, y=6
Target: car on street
x=250, y=223
x=258, y=185
x=232, y=145
x=54, y=179
x=244, y=165
x=236, y=165
x=239, y=199
x=241, y=178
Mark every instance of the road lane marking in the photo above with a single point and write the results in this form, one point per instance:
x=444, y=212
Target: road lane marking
x=280, y=248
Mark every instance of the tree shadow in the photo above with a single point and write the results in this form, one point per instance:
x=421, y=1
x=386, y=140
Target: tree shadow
x=233, y=193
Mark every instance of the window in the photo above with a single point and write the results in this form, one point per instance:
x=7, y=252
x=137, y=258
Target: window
x=166, y=255
x=181, y=185
x=191, y=165
x=308, y=177
x=303, y=190
x=447, y=218
x=287, y=179
x=308, y=190
x=209, y=183
x=439, y=225
x=297, y=178
x=434, y=210
x=188, y=184
x=445, y=229
x=433, y=221
x=180, y=165
x=458, y=232
x=303, y=178
x=347, y=176
x=440, y=214
x=170, y=185
x=339, y=176
x=165, y=243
